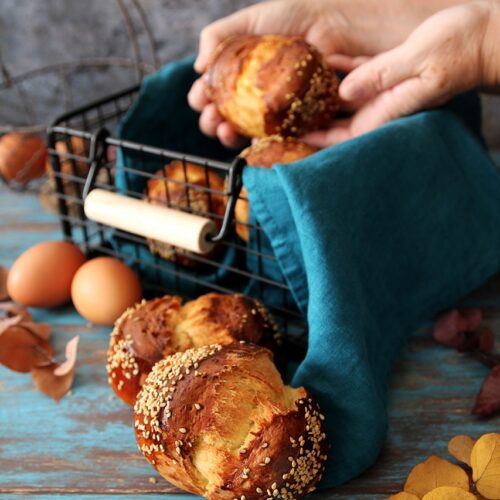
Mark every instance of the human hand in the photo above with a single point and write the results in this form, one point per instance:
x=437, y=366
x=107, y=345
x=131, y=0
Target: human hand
x=451, y=52
x=346, y=27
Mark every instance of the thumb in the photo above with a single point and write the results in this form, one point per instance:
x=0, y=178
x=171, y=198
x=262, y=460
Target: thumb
x=378, y=74
x=213, y=34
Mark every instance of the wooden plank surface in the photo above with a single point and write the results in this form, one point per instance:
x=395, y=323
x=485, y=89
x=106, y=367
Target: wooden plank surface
x=84, y=446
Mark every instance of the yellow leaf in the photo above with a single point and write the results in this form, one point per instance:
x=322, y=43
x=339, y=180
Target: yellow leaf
x=403, y=495
x=485, y=461
x=460, y=447
x=449, y=493
x=435, y=472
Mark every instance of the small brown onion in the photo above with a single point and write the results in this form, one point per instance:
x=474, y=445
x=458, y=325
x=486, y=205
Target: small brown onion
x=22, y=157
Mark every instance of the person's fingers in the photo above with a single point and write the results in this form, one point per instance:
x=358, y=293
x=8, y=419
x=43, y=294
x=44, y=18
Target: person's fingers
x=213, y=34
x=210, y=119
x=197, y=98
x=228, y=136
x=345, y=63
x=328, y=40
x=408, y=97
x=339, y=132
x=378, y=74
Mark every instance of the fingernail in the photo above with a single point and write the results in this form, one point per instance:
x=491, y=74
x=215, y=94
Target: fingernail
x=197, y=65
x=351, y=90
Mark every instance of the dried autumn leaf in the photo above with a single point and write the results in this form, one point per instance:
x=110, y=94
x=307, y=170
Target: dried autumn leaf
x=20, y=350
x=4, y=272
x=460, y=447
x=469, y=342
x=9, y=309
x=485, y=462
x=486, y=339
x=41, y=330
x=449, y=493
x=488, y=399
x=403, y=495
x=68, y=365
x=435, y=472
x=473, y=316
x=6, y=323
x=50, y=384
x=448, y=328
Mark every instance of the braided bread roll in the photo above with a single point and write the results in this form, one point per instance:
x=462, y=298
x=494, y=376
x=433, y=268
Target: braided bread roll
x=204, y=198
x=272, y=84
x=265, y=153
x=154, y=329
x=218, y=421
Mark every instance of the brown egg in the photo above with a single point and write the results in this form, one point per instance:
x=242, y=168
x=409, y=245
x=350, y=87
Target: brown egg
x=22, y=157
x=41, y=276
x=103, y=288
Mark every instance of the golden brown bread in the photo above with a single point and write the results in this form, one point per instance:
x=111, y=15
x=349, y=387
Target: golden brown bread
x=218, y=421
x=154, y=329
x=77, y=146
x=204, y=198
x=265, y=153
x=272, y=84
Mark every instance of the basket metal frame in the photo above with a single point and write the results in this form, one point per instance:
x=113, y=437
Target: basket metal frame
x=92, y=123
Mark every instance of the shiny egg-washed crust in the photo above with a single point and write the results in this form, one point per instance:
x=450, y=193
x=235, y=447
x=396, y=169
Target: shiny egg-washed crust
x=171, y=190
x=265, y=153
x=154, y=329
x=218, y=421
x=272, y=84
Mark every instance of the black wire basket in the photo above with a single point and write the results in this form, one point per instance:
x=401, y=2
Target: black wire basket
x=83, y=156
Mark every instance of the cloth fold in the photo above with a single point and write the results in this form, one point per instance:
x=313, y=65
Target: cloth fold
x=374, y=236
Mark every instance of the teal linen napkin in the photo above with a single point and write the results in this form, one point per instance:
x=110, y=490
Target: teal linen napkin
x=377, y=235
x=374, y=237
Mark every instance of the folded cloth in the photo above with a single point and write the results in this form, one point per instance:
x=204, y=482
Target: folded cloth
x=376, y=236
x=161, y=117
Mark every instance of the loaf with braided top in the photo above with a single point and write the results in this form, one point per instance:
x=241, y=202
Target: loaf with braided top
x=272, y=84
x=154, y=329
x=217, y=421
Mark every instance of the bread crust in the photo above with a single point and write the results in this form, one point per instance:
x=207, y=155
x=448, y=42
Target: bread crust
x=154, y=329
x=265, y=153
x=203, y=197
x=272, y=84
x=218, y=421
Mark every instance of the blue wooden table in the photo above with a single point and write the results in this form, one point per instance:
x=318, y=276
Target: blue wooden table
x=84, y=446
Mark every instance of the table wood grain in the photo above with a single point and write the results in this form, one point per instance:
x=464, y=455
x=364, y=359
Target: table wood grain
x=84, y=446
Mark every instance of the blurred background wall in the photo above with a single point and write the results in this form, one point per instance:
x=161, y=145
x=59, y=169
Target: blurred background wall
x=57, y=54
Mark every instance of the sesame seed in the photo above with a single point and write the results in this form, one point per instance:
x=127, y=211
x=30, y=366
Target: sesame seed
x=183, y=430
x=267, y=460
